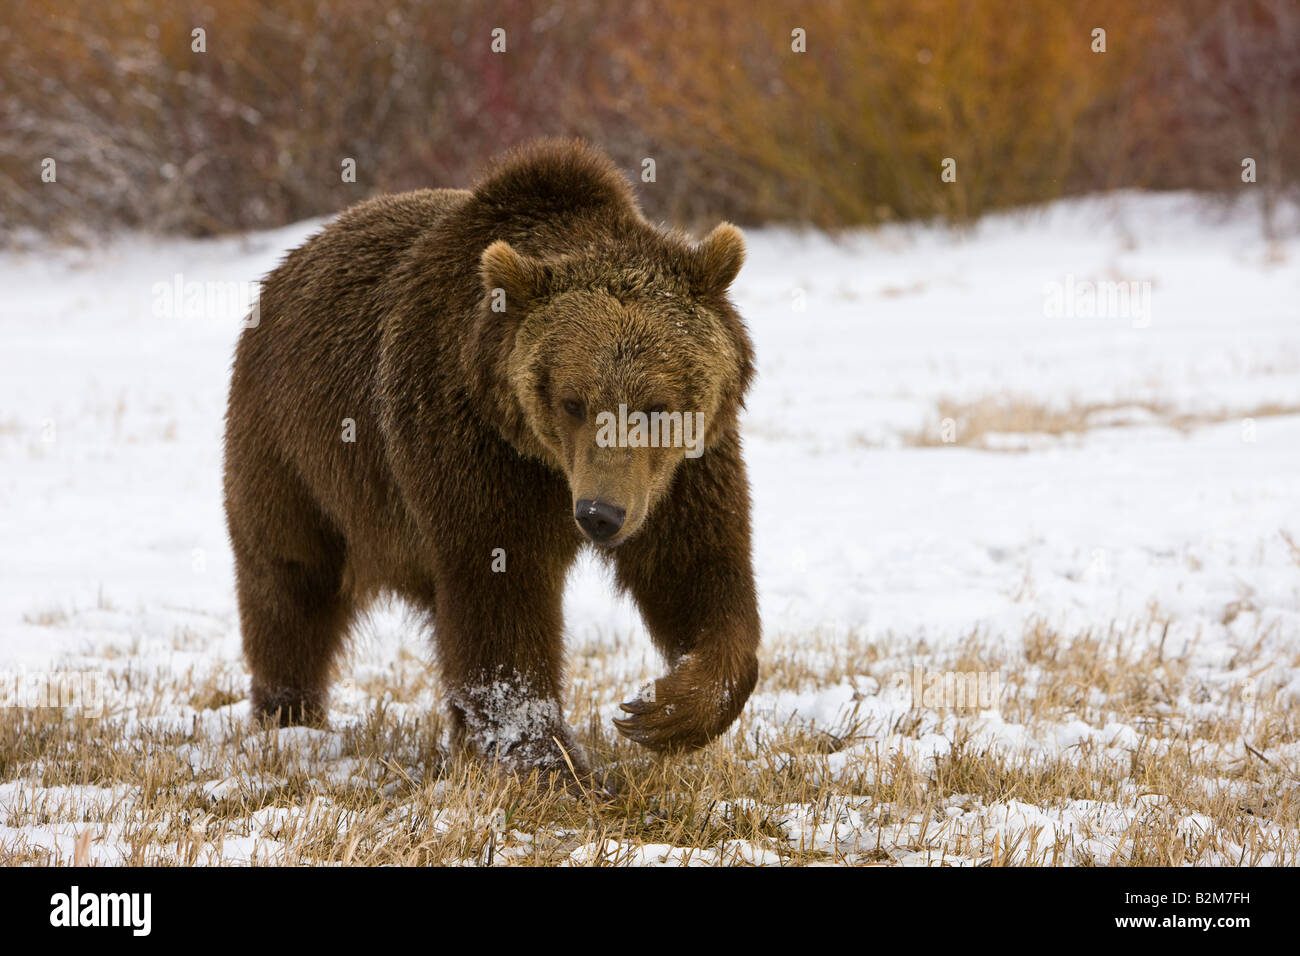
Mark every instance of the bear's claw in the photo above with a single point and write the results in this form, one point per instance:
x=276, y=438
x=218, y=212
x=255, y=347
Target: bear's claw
x=688, y=707
x=658, y=728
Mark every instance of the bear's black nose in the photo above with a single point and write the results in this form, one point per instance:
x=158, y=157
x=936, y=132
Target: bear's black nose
x=601, y=521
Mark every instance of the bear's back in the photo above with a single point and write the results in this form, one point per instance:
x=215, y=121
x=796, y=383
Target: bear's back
x=302, y=389
x=319, y=311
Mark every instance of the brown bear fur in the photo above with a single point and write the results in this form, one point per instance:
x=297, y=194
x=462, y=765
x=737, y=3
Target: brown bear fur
x=474, y=432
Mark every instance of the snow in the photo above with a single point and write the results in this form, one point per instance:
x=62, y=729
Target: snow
x=115, y=557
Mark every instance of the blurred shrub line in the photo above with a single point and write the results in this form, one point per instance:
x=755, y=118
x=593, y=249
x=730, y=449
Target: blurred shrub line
x=252, y=133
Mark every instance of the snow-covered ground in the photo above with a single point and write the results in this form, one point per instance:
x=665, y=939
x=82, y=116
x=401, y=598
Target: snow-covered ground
x=867, y=523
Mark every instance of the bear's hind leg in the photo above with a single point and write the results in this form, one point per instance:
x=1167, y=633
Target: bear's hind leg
x=293, y=619
x=293, y=608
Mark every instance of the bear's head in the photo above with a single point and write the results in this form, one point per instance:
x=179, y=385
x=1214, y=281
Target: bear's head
x=617, y=367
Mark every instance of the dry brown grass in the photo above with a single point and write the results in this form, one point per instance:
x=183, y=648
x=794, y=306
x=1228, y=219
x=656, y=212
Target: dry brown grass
x=1006, y=423
x=175, y=774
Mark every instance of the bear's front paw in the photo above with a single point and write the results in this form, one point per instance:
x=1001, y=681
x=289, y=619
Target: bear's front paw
x=690, y=706
x=518, y=734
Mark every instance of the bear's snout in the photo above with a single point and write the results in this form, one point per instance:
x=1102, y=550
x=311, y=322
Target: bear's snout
x=599, y=519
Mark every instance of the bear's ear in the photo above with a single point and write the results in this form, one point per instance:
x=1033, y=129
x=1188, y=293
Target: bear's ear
x=718, y=258
x=523, y=280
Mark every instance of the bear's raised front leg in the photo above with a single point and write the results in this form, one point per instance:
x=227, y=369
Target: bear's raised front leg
x=690, y=571
x=500, y=645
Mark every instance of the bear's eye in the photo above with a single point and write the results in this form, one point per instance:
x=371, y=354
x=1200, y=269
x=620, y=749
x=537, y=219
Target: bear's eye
x=574, y=408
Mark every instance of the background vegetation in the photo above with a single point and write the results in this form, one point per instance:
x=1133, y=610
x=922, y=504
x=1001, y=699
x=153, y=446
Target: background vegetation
x=147, y=133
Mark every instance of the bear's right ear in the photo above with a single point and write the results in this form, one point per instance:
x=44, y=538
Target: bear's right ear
x=718, y=258
x=520, y=279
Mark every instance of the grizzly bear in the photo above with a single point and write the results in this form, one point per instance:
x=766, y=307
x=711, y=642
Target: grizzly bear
x=426, y=408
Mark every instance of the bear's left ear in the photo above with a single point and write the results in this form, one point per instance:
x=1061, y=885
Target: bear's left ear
x=718, y=258
x=523, y=280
